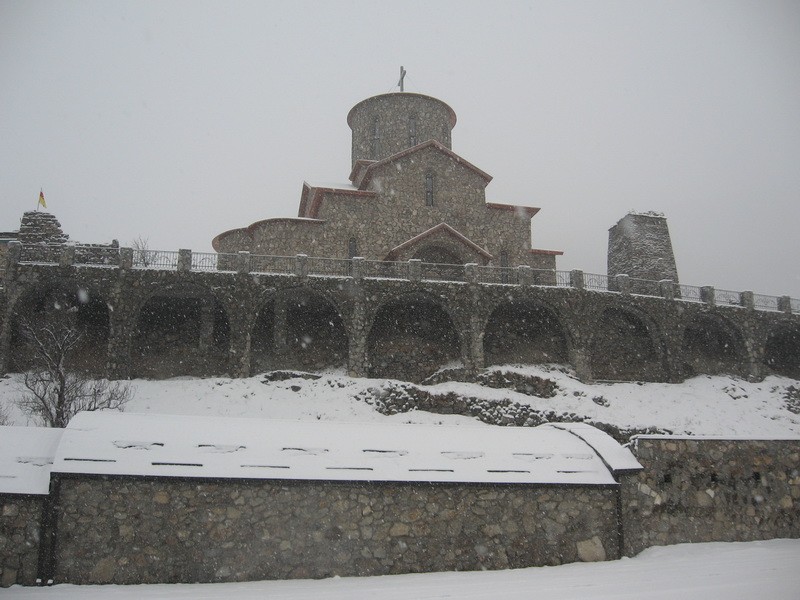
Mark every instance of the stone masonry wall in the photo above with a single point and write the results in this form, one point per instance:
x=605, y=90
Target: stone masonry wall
x=20, y=516
x=703, y=490
x=131, y=530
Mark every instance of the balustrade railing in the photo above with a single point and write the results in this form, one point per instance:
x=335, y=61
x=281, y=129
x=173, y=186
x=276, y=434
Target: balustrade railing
x=373, y=269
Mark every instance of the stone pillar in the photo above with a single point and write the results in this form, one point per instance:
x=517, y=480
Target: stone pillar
x=184, y=260
x=243, y=262
x=667, y=289
x=279, y=330
x=122, y=324
x=415, y=270
x=707, y=295
x=785, y=304
x=747, y=300
x=13, y=254
x=580, y=360
x=623, y=284
x=525, y=275
x=67, y=256
x=357, y=359
x=357, y=268
x=126, y=258
x=471, y=273
x=206, y=340
x=576, y=279
x=301, y=266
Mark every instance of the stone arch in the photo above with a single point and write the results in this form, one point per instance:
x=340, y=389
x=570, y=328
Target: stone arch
x=525, y=331
x=181, y=329
x=411, y=337
x=298, y=328
x=71, y=303
x=712, y=345
x=439, y=254
x=782, y=350
x=625, y=346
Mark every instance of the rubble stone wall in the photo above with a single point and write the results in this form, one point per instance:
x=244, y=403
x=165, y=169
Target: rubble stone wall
x=630, y=322
x=707, y=490
x=20, y=517
x=129, y=530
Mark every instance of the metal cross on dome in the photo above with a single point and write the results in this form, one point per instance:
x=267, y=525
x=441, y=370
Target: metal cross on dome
x=402, y=76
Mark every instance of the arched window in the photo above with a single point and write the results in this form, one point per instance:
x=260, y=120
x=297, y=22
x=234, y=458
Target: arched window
x=352, y=247
x=412, y=130
x=429, y=200
x=376, y=139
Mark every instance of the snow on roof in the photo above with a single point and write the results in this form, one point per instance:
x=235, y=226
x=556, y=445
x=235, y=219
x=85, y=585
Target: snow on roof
x=182, y=446
x=617, y=458
x=332, y=185
x=26, y=454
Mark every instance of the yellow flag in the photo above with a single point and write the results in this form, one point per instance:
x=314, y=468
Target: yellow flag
x=41, y=199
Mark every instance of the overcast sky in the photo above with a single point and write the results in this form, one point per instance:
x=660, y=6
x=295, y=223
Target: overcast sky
x=176, y=120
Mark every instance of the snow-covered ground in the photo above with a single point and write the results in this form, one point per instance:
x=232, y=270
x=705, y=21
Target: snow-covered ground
x=715, y=406
x=722, y=406
x=733, y=571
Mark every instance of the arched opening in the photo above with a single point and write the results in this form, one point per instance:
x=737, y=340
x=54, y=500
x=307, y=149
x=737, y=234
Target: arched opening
x=623, y=349
x=411, y=339
x=64, y=305
x=181, y=331
x=782, y=351
x=438, y=254
x=299, y=329
x=524, y=332
x=712, y=346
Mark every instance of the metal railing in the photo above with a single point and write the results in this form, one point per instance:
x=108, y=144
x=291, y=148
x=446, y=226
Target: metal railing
x=727, y=297
x=593, y=281
x=384, y=269
x=442, y=272
x=498, y=275
x=690, y=293
x=762, y=302
x=373, y=269
x=260, y=263
x=563, y=279
x=330, y=267
x=205, y=261
x=155, y=259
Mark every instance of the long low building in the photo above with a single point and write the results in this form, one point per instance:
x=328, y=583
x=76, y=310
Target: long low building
x=128, y=498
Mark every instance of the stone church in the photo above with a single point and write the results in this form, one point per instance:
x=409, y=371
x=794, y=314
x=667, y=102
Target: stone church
x=409, y=197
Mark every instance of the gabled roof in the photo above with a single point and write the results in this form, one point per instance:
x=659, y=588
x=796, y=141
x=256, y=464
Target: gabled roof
x=312, y=196
x=441, y=228
x=366, y=172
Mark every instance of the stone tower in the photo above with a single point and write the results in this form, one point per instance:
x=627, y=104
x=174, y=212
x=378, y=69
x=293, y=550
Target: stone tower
x=387, y=124
x=639, y=246
x=41, y=227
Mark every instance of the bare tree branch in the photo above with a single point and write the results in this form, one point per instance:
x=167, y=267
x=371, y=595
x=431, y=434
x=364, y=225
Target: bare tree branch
x=52, y=393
